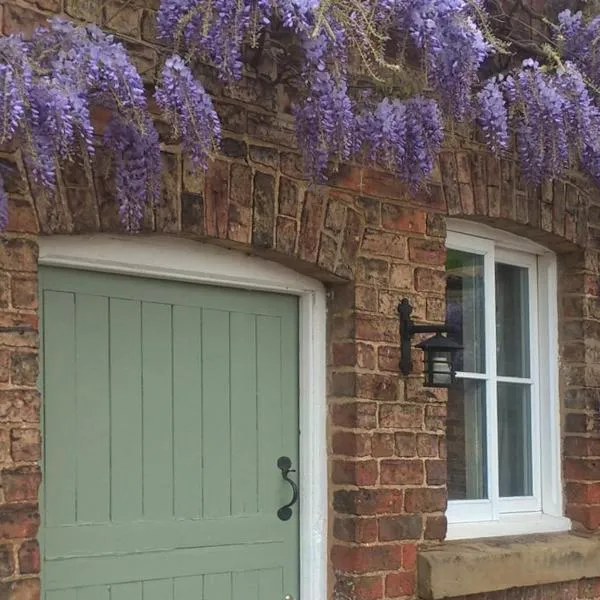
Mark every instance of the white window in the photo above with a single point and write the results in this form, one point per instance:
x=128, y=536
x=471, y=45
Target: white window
x=503, y=413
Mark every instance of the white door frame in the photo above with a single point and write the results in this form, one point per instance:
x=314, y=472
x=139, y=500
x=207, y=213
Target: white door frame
x=174, y=258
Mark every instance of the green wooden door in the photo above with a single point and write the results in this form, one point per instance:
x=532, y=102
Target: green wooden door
x=166, y=407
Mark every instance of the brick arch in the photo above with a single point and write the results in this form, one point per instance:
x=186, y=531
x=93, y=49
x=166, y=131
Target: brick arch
x=479, y=186
x=314, y=229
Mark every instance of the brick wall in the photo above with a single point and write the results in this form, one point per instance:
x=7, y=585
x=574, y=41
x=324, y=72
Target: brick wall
x=374, y=242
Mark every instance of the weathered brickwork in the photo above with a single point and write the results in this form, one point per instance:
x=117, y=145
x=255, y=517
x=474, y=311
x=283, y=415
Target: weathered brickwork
x=373, y=242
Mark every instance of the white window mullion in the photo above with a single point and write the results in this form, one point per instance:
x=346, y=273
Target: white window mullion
x=536, y=467
x=491, y=387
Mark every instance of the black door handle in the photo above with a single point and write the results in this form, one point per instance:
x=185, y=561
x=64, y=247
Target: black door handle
x=285, y=465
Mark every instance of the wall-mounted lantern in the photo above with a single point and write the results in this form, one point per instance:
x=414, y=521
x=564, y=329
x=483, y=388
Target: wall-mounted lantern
x=440, y=352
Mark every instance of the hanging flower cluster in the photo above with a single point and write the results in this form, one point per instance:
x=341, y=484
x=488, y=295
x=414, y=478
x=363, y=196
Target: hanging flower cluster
x=330, y=123
x=50, y=85
x=419, y=59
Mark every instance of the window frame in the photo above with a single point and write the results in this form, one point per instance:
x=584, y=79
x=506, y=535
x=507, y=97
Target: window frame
x=543, y=511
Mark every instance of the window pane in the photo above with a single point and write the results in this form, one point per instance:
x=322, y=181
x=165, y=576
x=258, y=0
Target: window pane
x=512, y=320
x=514, y=439
x=465, y=308
x=466, y=439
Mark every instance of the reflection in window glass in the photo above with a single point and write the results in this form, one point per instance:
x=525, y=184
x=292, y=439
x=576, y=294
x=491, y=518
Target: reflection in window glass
x=466, y=439
x=514, y=439
x=465, y=308
x=512, y=320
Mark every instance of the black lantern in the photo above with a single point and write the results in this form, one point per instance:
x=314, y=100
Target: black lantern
x=439, y=351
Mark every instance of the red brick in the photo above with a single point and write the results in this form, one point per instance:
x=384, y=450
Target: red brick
x=428, y=280
x=25, y=445
x=4, y=361
x=426, y=500
x=24, y=368
x=384, y=243
x=400, y=584
x=582, y=447
x=409, y=556
x=589, y=589
x=366, y=559
x=343, y=354
x=400, y=416
x=343, y=384
x=406, y=444
x=310, y=225
x=21, y=484
x=427, y=252
x=352, y=529
x=376, y=329
x=382, y=444
x=348, y=443
x=583, y=493
x=27, y=589
x=366, y=298
x=18, y=255
x=436, y=472
x=428, y=445
x=368, y=501
x=20, y=406
x=360, y=473
x=24, y=292
x=363, y=588
x=399, y=218
x=401, y=472
x=362, y=415
x=372, y=271
x=5, y=455
x=588, y=516
x=19, y=521
x=399, y=528
x=389, y=358
x=401, y=277
x=21, y=217
x=374, y=386
x=366, y=356
x=29, y=558
x=435, y=527
x=7, y=563
x=582, y=469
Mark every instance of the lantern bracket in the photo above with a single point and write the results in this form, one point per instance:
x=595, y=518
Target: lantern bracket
x=408, y=329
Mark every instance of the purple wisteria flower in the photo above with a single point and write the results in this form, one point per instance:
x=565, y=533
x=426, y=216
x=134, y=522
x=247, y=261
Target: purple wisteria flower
x=492, y=114
x=137, y=165
x=189, y=110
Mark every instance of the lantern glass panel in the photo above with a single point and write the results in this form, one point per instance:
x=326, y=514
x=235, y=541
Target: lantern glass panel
x=439, y=364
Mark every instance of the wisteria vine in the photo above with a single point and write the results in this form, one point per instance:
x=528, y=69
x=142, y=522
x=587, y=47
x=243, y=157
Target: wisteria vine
x=375, y=80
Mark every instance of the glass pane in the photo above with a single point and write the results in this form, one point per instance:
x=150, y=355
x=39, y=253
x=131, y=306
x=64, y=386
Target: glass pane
x=466, y=439
x=465, y=308
x=512, y=320
x=514, y=439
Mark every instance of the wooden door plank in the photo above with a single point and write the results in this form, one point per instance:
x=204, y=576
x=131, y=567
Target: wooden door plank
x=126, y=591
x=157, y=394
x=273, y=491
x=158, y=590
x=216, y=410
x=187, y=417
x=244, y=418
x=60, y=412
x=93, y=409
x=189, y=588
x=98, y=592
x=126, y=409
x=245, y=586
x=217, y=586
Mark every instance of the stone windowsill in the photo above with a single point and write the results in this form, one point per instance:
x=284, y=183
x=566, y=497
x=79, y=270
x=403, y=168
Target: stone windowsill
x=472, y=567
